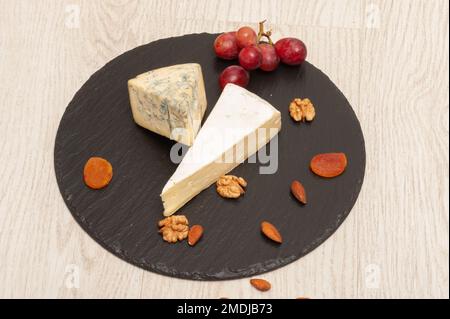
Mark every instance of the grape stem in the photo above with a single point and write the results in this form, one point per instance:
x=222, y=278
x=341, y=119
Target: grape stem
x=263, y=33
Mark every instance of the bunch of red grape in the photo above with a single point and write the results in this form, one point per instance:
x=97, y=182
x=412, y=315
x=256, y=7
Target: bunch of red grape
x=253, y=53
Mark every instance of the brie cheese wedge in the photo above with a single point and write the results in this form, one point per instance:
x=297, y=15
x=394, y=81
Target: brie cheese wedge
x=238, y=126
x=170, y=101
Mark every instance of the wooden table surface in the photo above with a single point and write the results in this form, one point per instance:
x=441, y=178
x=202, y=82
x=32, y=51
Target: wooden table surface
x=390, y=58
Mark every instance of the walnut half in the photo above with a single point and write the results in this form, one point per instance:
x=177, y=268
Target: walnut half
x=301, y=110
x=174, y=228
x=230, y=186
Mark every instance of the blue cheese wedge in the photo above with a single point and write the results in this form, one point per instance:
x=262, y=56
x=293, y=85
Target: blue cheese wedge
x=170, y=101
x=237, y=127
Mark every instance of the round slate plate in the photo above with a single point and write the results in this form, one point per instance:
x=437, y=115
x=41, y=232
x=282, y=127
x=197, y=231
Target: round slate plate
x=123, y=217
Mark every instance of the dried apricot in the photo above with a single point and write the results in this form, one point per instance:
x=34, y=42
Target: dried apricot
x=97, y=172
x=329, y=164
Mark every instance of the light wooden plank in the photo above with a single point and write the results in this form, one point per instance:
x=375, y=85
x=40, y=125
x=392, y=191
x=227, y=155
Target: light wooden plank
x=338, y=256
x=322, y=13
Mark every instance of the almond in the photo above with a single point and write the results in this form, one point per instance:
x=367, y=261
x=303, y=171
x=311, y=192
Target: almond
x=329, y=165
x=195, y=233
x=298, y=191
x=271, y=232
x=260, y=284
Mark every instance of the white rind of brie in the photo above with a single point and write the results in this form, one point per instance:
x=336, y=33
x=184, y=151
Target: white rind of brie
x=237, y=127
x=170, y=101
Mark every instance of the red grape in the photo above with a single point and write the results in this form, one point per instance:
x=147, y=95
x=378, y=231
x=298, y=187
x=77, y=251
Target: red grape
x=245, y=36
x=226, y=46
x=234, y=74
x=270, y=59
x=291, y=51
x=250, y=57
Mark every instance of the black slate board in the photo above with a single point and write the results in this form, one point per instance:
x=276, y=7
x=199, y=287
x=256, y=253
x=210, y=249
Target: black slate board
x=123, y=217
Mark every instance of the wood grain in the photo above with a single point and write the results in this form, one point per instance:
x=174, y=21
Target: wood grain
x=390, y=58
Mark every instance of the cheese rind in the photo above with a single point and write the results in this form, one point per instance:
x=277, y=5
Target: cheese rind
x=238, y=126
x=170, y=101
